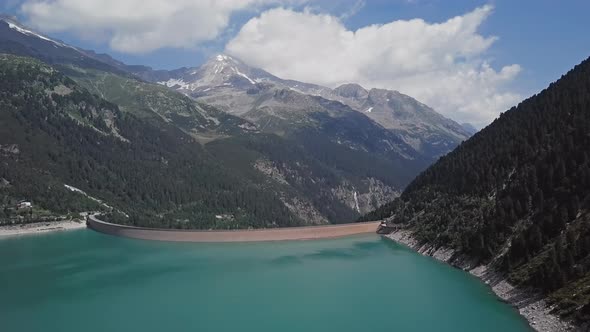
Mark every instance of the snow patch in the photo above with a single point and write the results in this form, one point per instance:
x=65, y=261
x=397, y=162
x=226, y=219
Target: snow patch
x=74, y=189
x=243, y=75
x=174, y=82
x=28, y=32
x=218, y=68
x=212, y=119
x=31, y=33
x=247, y=126
x=222, y=57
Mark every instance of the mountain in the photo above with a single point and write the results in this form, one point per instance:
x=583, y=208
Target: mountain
x=225, y=72
x=114, y=80
x=329, y=140
x=307, y=146
x=426, y=131
x=237, y=88
x=516, y=196
x=60, y=134
x=149, y=167
x=330, y=168
x=18, y=39
x=164, y=160
x=332, y=131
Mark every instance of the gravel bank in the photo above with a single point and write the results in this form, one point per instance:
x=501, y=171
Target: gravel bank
x=41, y=227
x=530, y=305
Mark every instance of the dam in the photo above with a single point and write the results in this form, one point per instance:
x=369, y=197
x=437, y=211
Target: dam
x=254, y=235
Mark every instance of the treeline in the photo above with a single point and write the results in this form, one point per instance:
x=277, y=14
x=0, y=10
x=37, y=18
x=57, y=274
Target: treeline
x=518, y=191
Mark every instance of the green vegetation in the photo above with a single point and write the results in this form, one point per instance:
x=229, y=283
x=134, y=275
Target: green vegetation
x=517, y=194
x=162, y=160
x=312, y=164
x=147, y=100
x=151, y=170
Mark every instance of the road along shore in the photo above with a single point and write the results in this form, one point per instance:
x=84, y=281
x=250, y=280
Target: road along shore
x=41, y=227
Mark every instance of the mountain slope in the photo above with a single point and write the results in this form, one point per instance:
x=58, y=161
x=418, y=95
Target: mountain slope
x=426, y=131
x=336, y=134
x=147, y=100
x=235, y=160
x=61, y=134
x=516, y=195
x=341, y=163
x=330, y=132
x=356, y=187
x=18, y=39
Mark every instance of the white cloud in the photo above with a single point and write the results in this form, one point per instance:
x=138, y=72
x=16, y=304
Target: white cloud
x=441, y=64
x=138, y=26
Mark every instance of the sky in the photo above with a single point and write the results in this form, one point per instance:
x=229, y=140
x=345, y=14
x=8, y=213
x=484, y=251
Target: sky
x=468, y=59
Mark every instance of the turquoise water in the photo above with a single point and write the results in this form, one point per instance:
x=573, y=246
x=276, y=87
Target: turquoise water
x=85, y=281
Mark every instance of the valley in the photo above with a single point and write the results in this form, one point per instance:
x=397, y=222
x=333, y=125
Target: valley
x=193, y=132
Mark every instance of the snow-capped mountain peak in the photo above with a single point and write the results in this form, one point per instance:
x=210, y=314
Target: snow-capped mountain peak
x=222, y=68
x=226, y=72
x=219, y=71
x=223, y=58
x=235, y=87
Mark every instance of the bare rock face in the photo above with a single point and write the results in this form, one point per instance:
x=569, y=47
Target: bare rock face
x=304, y=210
x=351, y=91
x=267, y=168
x=376, y=195
x=361, y=198
x=9, y=148
x=367, y=197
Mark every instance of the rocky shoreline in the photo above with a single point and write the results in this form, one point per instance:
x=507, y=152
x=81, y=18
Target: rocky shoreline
x=529, y=304
x=41, y=227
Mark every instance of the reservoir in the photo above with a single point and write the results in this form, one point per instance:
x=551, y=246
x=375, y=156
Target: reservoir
x=86, y=281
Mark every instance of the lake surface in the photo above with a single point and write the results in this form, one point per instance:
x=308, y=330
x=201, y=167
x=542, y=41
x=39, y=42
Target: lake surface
x=86, y=281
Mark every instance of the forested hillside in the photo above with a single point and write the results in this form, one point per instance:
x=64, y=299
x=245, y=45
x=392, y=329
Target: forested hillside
x=340, y=163
x=319, y=180
x=517, y=195
x=164, y=160
x=54, y=132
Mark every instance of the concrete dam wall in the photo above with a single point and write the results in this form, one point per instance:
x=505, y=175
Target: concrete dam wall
x=256, y=235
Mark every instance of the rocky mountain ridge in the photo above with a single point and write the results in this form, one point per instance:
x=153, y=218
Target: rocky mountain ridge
x=237, y=88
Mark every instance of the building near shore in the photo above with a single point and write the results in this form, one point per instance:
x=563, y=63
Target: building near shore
x=24, y=205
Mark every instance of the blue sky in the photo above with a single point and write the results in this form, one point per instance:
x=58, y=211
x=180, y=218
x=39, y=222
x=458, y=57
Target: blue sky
x=546, y=37
x=543, y=38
